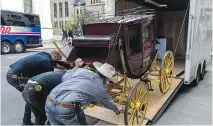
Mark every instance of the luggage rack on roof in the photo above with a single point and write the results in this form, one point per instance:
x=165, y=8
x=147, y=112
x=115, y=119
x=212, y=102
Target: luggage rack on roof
x=126, y=15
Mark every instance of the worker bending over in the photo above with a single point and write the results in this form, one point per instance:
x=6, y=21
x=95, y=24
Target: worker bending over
x=27, y=67
x=80, y=87
x=36, y=91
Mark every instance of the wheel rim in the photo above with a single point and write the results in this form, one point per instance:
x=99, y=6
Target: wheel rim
x=166, y=72
x=5, y=48
x=18, y=47
x=136, y=105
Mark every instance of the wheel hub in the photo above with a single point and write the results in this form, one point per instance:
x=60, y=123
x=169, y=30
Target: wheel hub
x=167, y=71
x=137, y=106
x=5, y=48
x=18, y=47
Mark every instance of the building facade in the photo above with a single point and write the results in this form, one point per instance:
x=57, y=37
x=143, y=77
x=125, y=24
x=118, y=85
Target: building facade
x=40, y=7
x=62, y=10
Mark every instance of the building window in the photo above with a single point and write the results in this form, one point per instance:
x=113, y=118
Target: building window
x=28, y=6
x=77, y=12
x=81, y=11
x=90, y=1
x=66, y=9
x=60, y=10
x=55, y=10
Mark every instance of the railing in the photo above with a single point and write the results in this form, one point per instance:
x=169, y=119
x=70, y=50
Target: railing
x=121, y=15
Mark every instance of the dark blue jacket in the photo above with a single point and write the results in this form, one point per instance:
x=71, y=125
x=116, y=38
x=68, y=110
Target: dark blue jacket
x=33, y=65
x=49, y=80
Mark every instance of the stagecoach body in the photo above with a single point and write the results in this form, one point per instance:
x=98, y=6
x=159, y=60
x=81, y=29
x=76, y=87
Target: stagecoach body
x=126, y=43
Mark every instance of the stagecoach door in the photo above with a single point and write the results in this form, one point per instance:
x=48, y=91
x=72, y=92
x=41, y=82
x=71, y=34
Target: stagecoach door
x=148, y=37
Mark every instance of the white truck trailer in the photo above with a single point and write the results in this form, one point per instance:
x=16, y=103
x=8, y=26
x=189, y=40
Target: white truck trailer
x=199, y=40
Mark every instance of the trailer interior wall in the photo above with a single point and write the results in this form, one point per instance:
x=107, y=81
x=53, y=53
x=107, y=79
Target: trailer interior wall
x=169, y=25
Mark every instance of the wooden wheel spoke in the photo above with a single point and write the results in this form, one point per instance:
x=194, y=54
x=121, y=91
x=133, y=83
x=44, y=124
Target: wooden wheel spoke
x=169, y=81
x=142, y=112
x=142, y=96
x=133, y=120
x=140, y=91
x=137, y=118
x=143, y=103
x=135, y=93
x=132, y=100
x=132, y=114
x=163, y=83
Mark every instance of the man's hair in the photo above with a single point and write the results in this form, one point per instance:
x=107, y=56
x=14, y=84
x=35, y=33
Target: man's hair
x=55, y=53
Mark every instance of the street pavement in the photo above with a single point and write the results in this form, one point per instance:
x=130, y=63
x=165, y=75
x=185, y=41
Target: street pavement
x=192, y=105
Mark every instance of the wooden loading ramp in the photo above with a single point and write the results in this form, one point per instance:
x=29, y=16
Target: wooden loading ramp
x=157, y=102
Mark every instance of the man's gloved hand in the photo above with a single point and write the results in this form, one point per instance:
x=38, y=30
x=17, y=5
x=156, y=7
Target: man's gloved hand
x=119, y=108
x=79, y=62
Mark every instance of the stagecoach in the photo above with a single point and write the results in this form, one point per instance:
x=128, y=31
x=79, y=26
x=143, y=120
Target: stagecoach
x=128, y=42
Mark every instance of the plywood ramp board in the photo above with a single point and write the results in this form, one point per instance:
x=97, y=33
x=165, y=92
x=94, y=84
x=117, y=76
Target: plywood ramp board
x=155, y=101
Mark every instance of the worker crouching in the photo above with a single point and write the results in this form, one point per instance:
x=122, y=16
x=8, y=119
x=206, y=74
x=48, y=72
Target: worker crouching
x=36, y=91
x=80, y=87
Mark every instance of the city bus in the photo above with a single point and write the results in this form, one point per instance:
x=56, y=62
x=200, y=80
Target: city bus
x=19, y=31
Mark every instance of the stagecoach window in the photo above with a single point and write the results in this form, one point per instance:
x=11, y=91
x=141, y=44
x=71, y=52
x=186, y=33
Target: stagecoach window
x=66, y=9
x=55, y=10
x=145, y=34
x=134, y=38
x=60, y=10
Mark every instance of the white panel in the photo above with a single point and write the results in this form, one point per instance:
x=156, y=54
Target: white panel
x=161, y=48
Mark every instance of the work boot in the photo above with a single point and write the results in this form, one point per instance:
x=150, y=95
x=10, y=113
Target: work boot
x=28, y=123
x=39, y=122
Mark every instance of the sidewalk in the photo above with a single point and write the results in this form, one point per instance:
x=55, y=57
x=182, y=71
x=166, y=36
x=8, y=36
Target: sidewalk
x=47, y=45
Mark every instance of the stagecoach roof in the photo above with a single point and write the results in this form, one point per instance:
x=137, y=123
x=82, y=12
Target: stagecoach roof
x=125, y=19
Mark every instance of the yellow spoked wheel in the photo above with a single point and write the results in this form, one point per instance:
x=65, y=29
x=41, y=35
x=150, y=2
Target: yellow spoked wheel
x=166, y=72
x=136, y=105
